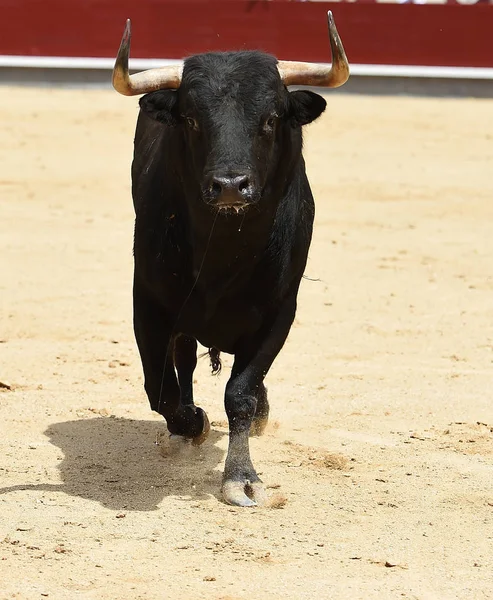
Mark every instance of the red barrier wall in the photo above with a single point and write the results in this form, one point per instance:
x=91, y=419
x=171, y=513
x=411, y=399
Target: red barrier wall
x=408, y=34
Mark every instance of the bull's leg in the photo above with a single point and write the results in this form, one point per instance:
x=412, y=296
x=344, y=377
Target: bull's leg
x=245, y=389
x=261, y=417
x=185, y=359
x=153, y=328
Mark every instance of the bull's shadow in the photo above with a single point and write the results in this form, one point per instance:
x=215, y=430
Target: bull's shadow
x=117, y=462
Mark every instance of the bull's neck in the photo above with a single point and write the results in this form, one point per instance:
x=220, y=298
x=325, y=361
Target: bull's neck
x=223, y=244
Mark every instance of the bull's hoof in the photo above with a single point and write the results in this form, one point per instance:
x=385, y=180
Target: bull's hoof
x=180, y=444
x=244, y=493
x=200, y=439
x=190, y=422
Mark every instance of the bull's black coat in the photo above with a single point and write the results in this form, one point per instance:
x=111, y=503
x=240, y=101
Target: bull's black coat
x=204, y=272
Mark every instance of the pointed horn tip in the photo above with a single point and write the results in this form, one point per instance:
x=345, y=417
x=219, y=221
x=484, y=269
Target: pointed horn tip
x=128, y=30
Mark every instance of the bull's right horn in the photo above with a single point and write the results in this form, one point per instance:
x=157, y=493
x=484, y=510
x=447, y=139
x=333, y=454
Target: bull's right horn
x=299, y=73
x=147, y=81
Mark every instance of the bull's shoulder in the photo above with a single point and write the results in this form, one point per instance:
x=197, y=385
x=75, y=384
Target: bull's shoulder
x=293, y=223
x=287, y=249
x=153, y=165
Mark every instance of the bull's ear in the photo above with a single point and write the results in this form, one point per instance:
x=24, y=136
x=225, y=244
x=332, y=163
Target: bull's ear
x=305, y=107
x=161, y=106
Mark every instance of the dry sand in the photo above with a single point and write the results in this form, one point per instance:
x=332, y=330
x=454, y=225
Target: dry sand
x=380, y=449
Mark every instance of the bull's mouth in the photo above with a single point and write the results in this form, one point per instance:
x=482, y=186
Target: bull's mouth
x=228, y=204
x=230, y=208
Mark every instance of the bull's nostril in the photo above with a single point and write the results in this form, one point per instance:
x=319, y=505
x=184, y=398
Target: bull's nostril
x=216, y=188
x=244, y=185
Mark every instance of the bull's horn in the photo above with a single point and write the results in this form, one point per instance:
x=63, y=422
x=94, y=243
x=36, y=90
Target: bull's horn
x=147, y=81
x=298, y=73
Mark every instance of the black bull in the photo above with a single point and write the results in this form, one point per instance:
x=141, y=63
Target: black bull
x=224, y=217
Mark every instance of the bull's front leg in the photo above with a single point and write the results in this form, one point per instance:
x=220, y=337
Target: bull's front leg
x=241, y=484
x=161, y=353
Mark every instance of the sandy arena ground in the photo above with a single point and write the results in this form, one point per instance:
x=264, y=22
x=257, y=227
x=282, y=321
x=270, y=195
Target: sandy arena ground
x=380, y=448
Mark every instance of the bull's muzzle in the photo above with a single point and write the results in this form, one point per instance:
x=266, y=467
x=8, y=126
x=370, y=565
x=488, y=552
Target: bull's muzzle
x=232, y=190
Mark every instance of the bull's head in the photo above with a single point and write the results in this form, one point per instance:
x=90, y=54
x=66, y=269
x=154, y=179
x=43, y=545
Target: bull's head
x=234, y=111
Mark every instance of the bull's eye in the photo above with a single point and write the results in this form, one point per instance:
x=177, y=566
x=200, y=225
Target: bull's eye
x=269, y=123
x=192, y=123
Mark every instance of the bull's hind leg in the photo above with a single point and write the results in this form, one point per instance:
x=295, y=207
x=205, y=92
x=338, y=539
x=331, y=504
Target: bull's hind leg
x=152, y=328
x=261, y=417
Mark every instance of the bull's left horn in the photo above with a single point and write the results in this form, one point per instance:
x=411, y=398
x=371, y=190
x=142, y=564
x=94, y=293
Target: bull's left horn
x=147, y=81
x=298, y=73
